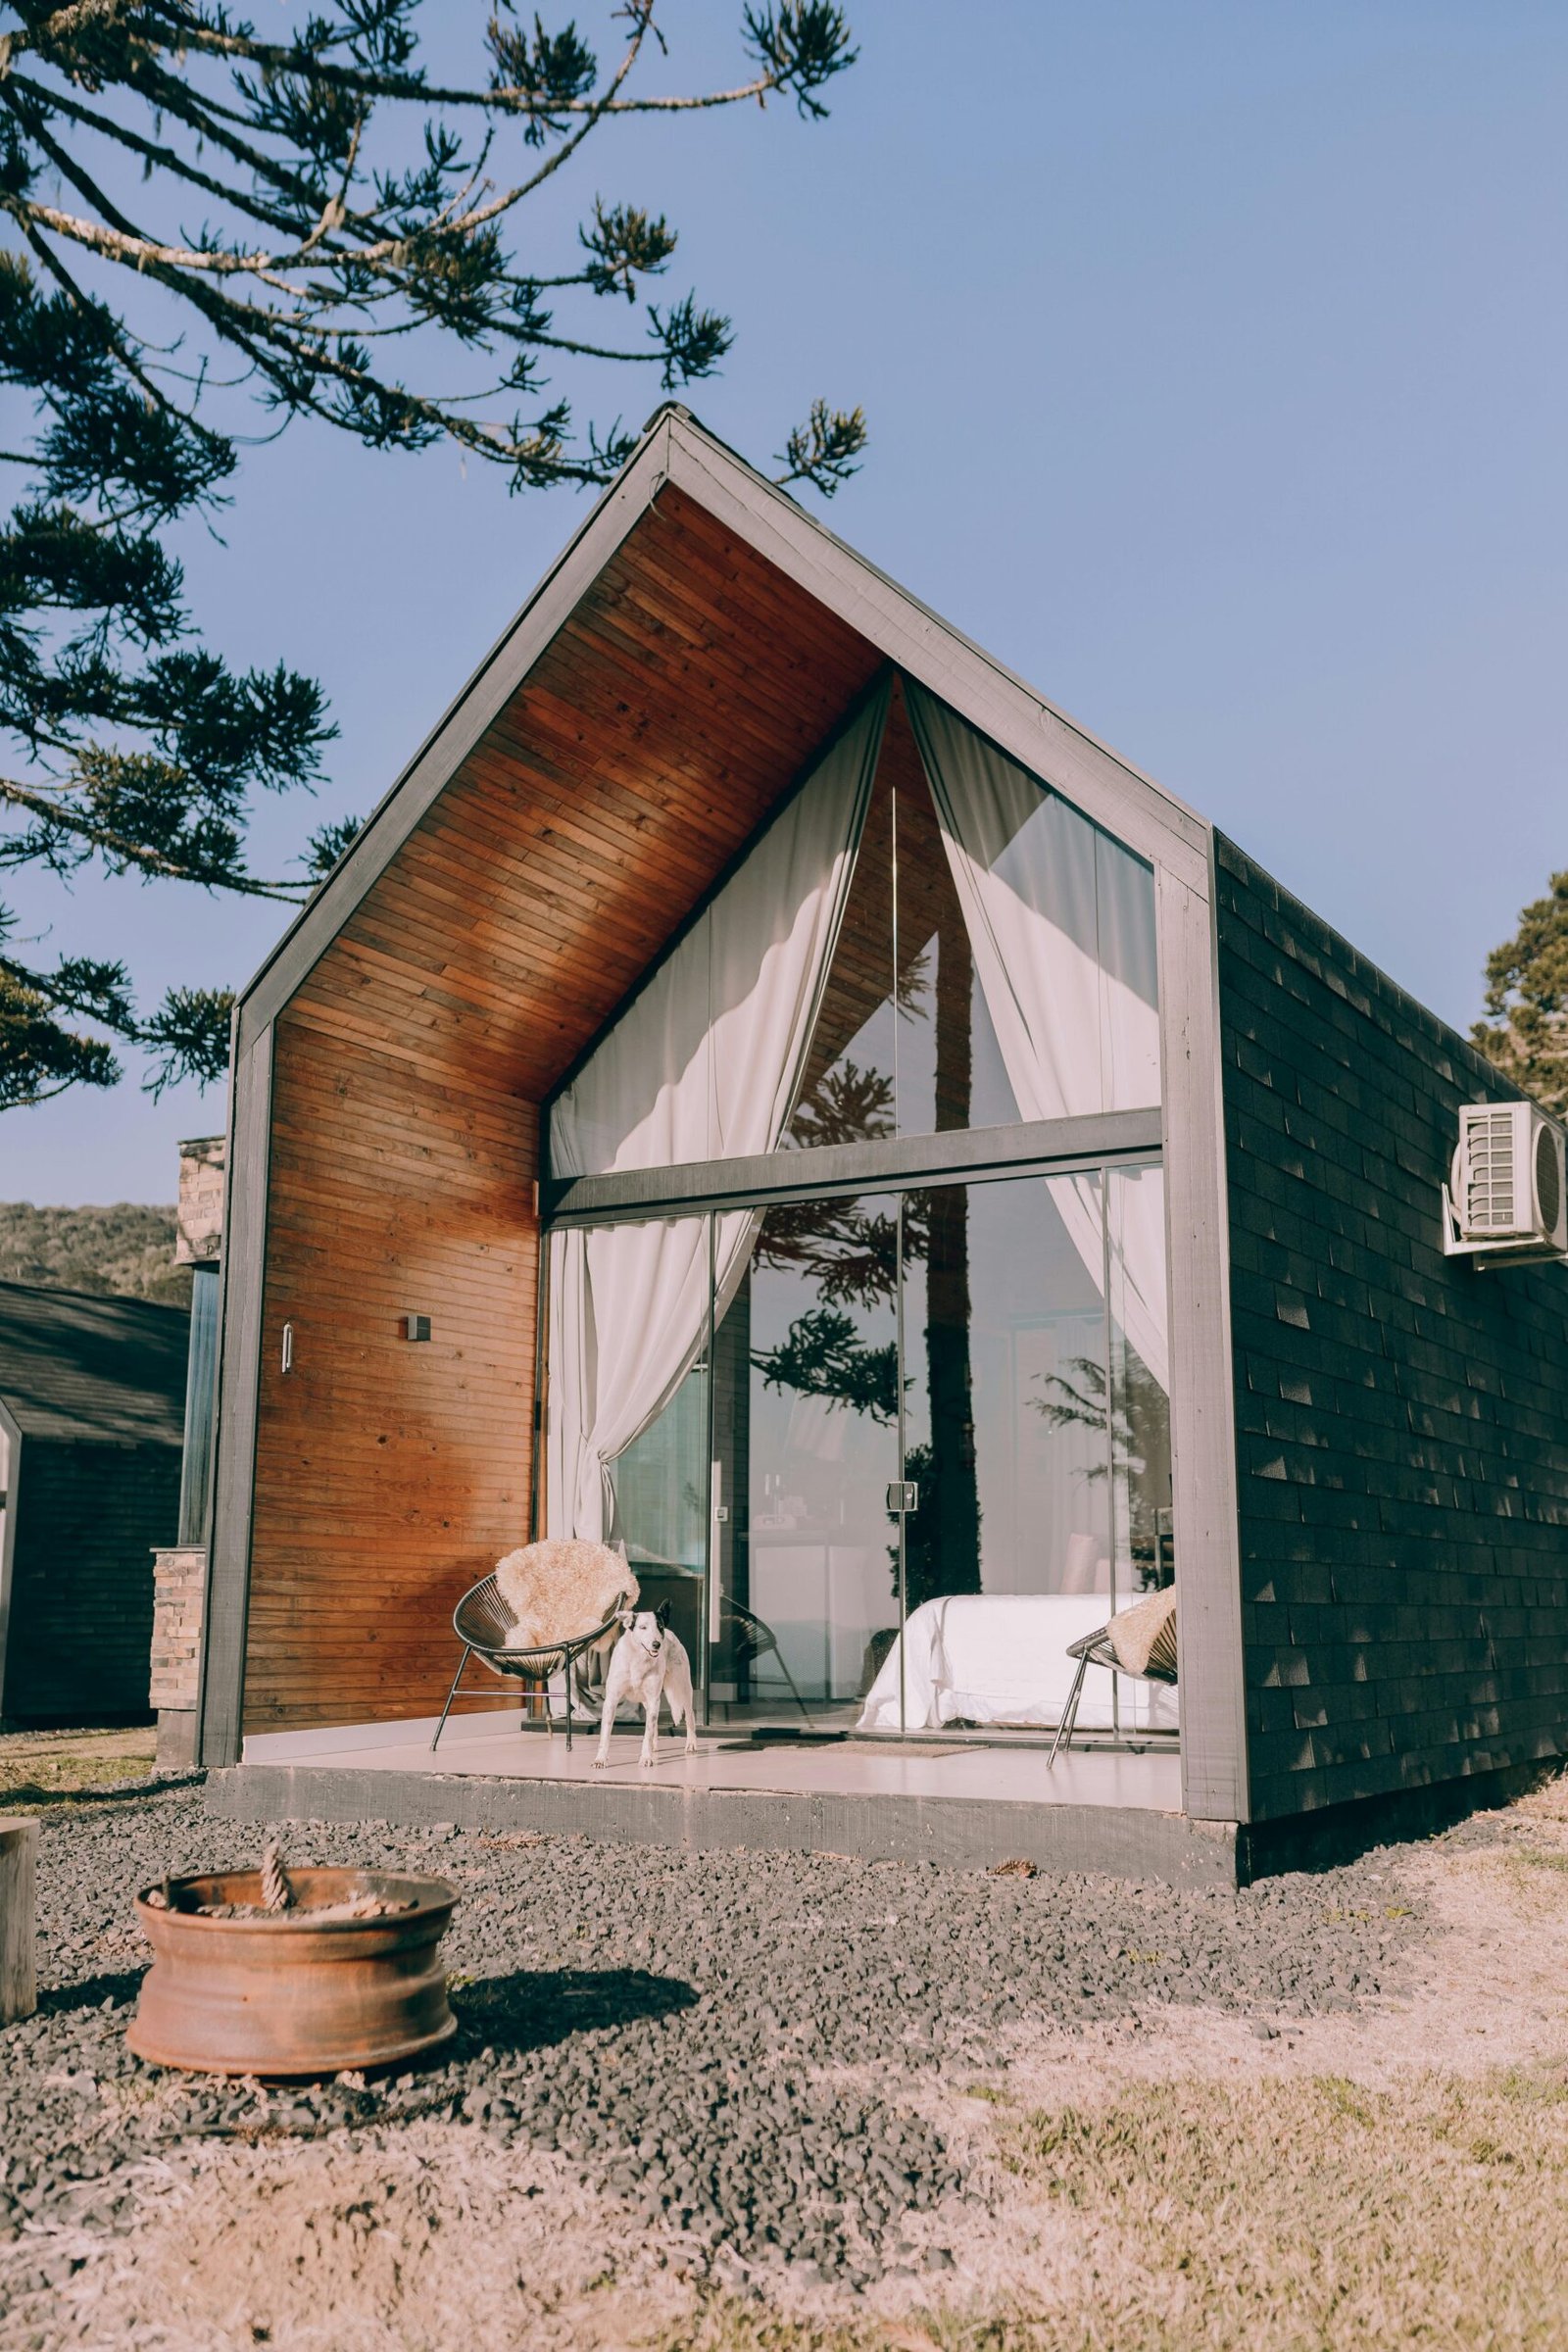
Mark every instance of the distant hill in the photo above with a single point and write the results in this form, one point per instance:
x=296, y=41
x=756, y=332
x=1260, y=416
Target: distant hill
x=126, y=1251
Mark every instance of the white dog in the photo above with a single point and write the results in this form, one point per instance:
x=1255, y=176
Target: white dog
x=647, y=1664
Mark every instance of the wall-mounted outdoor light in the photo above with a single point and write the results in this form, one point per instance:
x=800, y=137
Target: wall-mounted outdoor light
x=416, y=1327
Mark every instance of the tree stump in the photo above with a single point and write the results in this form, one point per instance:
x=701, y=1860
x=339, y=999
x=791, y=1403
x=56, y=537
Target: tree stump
x=18, y=1983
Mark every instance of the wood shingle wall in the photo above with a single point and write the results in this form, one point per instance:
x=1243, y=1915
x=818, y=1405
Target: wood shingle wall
x=1401, y=1419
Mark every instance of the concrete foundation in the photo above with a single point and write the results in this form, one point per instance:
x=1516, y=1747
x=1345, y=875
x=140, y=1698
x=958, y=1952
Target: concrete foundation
x=957, y=1832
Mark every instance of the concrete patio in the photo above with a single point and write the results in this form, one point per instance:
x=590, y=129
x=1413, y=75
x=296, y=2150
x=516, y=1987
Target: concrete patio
x=956, y=1803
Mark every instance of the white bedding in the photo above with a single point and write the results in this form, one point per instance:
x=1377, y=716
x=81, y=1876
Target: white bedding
x=1002, y=1658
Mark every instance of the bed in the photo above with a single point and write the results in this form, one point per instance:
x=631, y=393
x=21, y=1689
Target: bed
x=1002, y=1658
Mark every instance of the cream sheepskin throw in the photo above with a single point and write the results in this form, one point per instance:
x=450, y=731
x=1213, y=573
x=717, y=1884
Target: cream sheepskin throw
x=1144, y=1636
x=560, y=1590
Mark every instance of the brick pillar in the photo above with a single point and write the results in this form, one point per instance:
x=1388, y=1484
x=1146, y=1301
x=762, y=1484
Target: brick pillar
x=180, y=1579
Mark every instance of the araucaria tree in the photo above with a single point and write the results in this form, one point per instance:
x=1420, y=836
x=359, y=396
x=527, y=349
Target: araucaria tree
x=200, y=220
x=1526, y=1033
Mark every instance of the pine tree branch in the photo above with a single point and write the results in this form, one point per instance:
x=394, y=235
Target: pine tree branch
x=272, y=58
x=61, y=815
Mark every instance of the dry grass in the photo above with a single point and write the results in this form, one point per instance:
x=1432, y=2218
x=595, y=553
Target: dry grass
x=1292, y=2215
x=51, y=1768
x=1313, y=2216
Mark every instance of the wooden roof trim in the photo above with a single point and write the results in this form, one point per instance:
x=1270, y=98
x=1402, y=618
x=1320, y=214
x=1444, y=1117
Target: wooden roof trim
x=1042, y=739
x=458, y=732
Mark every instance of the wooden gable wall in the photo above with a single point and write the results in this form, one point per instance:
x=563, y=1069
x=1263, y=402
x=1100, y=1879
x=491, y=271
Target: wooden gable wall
x=683, y=696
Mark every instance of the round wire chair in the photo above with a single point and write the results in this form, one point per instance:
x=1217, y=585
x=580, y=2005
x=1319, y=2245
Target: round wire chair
x=1099, y=1649
x=482, y=1623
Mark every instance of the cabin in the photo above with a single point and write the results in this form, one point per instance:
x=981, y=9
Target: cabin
x=770, y=1091
x=92, y=1404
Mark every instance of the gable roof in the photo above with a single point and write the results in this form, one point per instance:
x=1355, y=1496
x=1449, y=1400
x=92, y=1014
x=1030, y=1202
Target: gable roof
x=78, y=1369
x=693, y=643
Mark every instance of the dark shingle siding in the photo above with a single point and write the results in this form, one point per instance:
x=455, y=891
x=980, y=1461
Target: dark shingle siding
x=81, y=1597
x=1401, y=1420
x=97, y=1386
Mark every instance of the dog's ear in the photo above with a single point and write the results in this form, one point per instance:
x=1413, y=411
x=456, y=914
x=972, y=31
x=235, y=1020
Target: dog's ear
x=628, y=1618
x=662, y=1615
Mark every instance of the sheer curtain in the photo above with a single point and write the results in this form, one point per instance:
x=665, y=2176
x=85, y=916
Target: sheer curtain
x=703, y=1064
x=1061, y=924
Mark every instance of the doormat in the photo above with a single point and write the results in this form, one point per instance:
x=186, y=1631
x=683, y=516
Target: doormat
x=909, y=1747
x=844, y=1742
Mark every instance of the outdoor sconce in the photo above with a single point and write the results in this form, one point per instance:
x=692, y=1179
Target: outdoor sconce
x=416, y=1327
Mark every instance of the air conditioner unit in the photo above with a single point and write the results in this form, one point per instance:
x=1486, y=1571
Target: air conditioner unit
x=1507, y=1192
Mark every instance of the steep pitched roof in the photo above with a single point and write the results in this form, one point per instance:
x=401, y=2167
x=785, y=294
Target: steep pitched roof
x=81, y=1369
x=688, y=652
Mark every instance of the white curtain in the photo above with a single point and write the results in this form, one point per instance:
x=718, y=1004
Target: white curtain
x=1061, y=924
x=703, y=1064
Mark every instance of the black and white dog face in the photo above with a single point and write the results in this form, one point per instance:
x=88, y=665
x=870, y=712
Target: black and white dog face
x=646, y=1627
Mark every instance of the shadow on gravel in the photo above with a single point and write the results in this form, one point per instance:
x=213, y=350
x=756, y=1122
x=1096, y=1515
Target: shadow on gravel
x=532, y=2008
x=34, y=1796
x=90, y=1992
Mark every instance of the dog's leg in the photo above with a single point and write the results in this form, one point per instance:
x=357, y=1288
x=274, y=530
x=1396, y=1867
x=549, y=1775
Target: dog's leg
x=680, y=1699
x=614, y=1684
x=650, y=1754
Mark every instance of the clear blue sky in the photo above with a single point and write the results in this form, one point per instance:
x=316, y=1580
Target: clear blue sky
x=1215, y=360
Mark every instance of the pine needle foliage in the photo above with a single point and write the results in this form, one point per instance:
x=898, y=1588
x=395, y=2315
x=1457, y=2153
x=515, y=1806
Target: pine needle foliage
x=196, y=219
x=1526, y=1029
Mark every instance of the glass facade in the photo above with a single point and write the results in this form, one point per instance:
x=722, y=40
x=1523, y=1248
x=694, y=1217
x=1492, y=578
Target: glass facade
x=905, y=1399
x=885, y=1454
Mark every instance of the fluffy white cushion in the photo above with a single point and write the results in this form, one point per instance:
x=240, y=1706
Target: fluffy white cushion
x=560, y=1589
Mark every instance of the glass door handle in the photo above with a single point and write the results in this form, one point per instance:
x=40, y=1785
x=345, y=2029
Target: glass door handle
x=903, y=1496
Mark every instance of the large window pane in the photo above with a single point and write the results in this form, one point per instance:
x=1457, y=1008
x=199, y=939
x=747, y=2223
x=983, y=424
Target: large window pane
x=661, y=1509
x=806, y=1418
x=951, y=1071
x=1061, y=920
x=1005, y=1394
x=1140, y=1405
x=849, y=1091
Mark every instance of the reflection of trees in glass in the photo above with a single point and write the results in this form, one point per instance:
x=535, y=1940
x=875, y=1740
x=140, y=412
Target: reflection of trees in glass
x=1138, y=1415
x=821, y=1356
x=942, y=1538
x=850, y=1255
x=846, y=1105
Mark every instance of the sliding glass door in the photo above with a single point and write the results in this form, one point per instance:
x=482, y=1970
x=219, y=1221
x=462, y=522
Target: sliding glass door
x=807, y=1447
x=921, y=1445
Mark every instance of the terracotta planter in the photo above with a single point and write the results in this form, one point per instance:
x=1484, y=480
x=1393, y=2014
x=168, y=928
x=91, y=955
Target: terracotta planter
x=288, y=1994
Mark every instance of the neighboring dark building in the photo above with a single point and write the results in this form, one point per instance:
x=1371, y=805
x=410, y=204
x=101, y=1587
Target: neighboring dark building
x=92, y=1402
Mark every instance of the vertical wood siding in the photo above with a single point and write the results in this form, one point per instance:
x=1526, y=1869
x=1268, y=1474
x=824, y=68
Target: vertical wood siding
x=389, y=1474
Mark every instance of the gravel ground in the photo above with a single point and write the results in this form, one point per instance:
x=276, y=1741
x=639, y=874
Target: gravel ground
x=739, y=2049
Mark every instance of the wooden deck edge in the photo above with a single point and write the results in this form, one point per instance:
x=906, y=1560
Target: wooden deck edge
x=954, y=1833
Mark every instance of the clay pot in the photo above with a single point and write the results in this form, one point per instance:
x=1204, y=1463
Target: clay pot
x=289, y=1993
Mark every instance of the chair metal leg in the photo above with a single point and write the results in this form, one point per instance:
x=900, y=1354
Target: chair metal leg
x=571, y=1661
x=467, y=1654
x=783, y=1667
x=1069, y=1713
